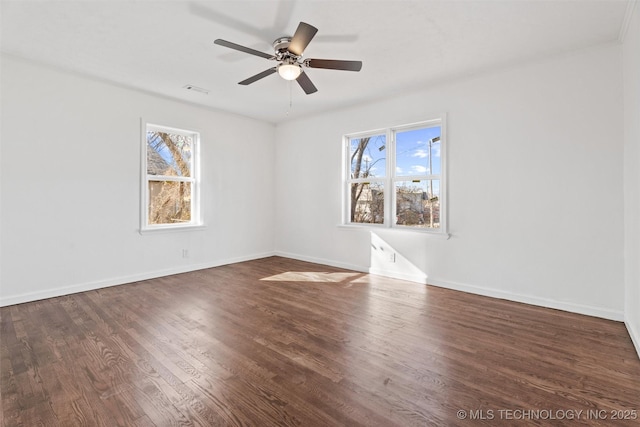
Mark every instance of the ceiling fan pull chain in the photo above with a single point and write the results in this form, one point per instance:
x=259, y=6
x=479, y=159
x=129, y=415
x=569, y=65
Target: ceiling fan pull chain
x=290, y=96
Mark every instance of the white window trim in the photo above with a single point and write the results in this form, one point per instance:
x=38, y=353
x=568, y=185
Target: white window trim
x=390, y=179
x=196, y=222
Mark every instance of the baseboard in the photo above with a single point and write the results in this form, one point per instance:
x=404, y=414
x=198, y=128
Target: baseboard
x=477, y=290
x=635, y=336
x=323, y=261
x=332, y=263
x=115, y=281
x=396, y=275
x=588, y=310
x=490, y=292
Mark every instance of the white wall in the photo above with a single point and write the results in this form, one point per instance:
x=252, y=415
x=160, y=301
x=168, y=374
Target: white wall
x=631, y=70
x=535, y=169
x=70, y=174
x=535, y=185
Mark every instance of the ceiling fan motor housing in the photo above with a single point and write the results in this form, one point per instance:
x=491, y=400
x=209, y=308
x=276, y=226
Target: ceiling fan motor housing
x=282, y=44
x=282, y=53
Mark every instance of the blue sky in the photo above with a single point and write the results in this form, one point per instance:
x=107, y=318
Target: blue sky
x=413, y=153
x=415, y=157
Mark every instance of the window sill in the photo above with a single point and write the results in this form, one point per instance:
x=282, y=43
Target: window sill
x=171, y=229
x=371, y=227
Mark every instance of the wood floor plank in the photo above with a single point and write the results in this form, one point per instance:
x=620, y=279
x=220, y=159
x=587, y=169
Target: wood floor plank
x=281, y=342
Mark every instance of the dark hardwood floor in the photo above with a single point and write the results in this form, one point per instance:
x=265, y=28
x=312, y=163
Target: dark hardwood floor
x=260, y=343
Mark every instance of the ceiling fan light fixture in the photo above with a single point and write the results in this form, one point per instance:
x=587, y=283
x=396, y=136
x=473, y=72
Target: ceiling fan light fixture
x=289, y=71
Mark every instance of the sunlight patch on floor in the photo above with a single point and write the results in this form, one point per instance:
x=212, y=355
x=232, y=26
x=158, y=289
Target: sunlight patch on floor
x=310, y=276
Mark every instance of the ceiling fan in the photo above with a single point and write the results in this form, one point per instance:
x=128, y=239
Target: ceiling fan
x=288, y=53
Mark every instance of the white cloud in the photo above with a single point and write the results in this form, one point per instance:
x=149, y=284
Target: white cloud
x=399, y=169
x=419, y=168
x=420, y=154
x=436, y=151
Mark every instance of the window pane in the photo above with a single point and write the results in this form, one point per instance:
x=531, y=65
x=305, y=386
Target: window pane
x=368, y=156
x=418, y=152
x=169, y=154
x=418, y=203
x=169, y=202
x=367, y=203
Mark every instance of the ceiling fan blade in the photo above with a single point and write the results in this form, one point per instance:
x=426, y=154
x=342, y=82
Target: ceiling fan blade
x=301, y=38
x=258, y=76
x=244, y=49
x=306, y=84
x=334, y=64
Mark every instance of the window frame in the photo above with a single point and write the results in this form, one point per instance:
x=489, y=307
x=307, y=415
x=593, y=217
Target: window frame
x=194, y=180
x=391, y=178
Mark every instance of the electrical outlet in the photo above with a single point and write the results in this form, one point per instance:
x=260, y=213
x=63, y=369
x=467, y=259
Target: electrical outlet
x=185, y=253
x=392, y=257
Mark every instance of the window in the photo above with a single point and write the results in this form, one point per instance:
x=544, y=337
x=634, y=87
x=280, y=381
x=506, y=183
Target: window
x=395, y=177
x=170, y=187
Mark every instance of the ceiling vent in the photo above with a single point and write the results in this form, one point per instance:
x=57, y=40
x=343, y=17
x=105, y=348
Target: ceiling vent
x=197, y=89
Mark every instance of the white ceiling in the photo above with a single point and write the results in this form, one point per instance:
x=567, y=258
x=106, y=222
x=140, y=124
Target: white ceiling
x=161, y=46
